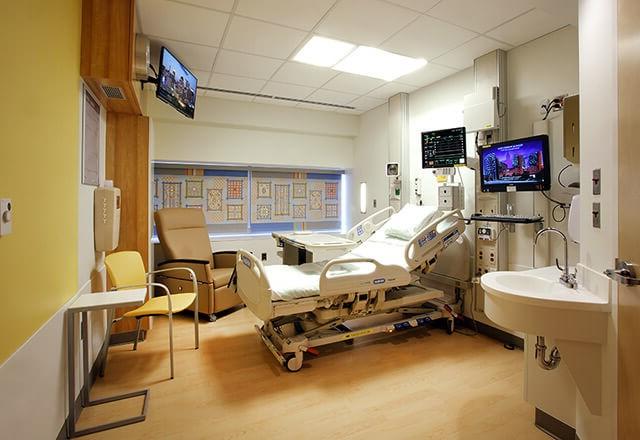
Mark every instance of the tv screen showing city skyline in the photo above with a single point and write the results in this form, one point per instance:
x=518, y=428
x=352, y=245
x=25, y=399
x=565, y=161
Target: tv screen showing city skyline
x=521, y=162
x=176, y=85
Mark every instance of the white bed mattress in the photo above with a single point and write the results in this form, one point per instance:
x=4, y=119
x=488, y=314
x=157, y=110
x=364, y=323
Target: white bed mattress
x=294, y=282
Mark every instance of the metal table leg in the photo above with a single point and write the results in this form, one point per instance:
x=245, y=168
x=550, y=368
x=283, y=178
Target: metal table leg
x=85, y=398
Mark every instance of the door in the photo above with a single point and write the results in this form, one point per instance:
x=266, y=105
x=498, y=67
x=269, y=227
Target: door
x=629, y=213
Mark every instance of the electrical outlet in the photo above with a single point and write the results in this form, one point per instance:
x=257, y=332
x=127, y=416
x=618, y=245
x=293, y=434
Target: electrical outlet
x=263, y=257
x=6, y=216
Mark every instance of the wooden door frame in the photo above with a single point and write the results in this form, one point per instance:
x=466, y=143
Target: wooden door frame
x=629, y=200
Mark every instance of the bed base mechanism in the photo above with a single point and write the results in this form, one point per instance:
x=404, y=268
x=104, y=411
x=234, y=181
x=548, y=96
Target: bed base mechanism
x=289, y=350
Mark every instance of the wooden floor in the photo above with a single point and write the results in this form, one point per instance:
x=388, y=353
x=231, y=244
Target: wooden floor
x=419, y=384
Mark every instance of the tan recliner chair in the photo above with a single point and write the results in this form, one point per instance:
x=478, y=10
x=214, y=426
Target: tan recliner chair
x=184, y=239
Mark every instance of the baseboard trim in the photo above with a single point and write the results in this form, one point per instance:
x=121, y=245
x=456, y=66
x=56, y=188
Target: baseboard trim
x=554, y=427
x=500, y=335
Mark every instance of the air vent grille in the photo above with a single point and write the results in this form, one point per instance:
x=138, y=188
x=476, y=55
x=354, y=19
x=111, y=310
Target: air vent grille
x=281, y=98
x=113, y=92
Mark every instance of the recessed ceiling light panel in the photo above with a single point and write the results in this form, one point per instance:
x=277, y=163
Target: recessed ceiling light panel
x=377, y=63
x=325, y=52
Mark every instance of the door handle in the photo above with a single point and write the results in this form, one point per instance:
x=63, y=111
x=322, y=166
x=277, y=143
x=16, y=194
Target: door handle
x=624, y=273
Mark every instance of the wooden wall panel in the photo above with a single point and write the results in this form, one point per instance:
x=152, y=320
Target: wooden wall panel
x=107, y=53
x=127, y=164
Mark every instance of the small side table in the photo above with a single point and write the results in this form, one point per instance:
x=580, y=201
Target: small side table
x=83, y=304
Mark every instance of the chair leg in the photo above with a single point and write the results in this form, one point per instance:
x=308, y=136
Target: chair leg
x=196, y=320
x=171, y=341
x=135, y=343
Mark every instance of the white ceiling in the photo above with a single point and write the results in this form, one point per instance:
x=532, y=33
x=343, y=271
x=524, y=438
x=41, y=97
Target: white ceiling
x=247, y=45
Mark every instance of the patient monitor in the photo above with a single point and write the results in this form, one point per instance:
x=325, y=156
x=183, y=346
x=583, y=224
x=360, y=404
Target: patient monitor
x=106, y=218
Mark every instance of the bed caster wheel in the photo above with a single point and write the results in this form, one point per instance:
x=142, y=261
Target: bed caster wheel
x=292, y=362
x=450, y=326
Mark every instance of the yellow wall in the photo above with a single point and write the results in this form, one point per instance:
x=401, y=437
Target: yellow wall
x=39, y=141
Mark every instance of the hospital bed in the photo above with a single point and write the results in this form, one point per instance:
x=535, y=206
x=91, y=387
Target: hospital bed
x=315, y=304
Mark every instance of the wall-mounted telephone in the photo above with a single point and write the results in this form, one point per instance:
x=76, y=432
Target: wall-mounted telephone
x=106, y=219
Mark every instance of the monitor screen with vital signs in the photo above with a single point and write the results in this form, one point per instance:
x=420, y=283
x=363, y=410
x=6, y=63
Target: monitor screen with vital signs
x=517, y=165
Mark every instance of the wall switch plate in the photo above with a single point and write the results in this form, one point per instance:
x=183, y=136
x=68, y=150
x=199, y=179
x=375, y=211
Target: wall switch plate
x=596, y=182
x=596, y=215
x=6, y=216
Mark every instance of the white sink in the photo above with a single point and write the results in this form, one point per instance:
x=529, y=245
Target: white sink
x=535, y=302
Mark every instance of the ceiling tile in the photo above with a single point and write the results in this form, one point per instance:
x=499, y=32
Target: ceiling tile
x=527, y=27
x=240, y=84
x=194, y=56
x=331, y=97
x=427, y=75
x=301, y=14
x=304, y=74
x=367, y=22
x=221, y=5
x=367, y=103
x=463, y=56
x=241, y=64
x=261, y=38
x=417, y=5
x=178, y=21
x=230, y=96
x=566, y=9
x=354, y=84
x=287, y=90
x=479, y=16
x=202, y=75
x=390, y=89
x=428, y=38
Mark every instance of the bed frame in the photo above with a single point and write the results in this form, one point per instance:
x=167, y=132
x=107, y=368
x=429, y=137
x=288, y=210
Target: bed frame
x=292, y=328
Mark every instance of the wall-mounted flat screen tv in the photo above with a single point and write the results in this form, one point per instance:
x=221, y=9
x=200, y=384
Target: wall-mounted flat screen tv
x=517, y=165
x=176, y=84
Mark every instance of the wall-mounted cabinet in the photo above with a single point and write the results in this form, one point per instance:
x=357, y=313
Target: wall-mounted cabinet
x=108, y=53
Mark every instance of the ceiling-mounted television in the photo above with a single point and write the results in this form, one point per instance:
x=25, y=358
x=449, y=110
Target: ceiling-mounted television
x=517, y=165
x=176, y=84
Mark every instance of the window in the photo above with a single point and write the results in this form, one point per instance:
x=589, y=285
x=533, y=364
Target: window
x=252, y=200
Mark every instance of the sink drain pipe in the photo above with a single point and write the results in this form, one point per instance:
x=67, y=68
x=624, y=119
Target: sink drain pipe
x=541, y=350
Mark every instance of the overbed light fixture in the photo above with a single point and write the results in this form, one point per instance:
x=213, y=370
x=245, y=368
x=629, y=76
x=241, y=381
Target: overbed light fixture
x=360, y=60
x=324, y=52
x=377, y=63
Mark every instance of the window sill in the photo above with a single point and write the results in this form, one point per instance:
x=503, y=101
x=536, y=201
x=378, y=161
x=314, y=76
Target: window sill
x=250, y=235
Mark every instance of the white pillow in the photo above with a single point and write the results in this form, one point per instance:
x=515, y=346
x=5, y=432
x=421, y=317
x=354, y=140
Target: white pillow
x=409, y=221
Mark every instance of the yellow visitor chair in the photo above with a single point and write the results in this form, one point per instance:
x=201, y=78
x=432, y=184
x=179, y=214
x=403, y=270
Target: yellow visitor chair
x=126, y=271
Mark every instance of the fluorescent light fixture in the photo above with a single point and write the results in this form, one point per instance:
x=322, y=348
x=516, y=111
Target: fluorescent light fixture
x=363, y=197
x=377, y=63
x=325, y=52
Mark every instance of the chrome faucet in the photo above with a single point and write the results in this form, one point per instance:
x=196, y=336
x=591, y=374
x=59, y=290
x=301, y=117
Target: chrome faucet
x=567, y=279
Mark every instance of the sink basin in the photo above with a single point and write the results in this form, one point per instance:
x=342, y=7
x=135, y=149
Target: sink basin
x=535, y=302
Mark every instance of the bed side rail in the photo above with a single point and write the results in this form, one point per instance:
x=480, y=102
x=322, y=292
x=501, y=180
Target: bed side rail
x=434, y=238
x=363, y=230
x=371, y=276
x=253, y=285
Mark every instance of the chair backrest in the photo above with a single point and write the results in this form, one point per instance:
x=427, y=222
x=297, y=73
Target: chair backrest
x=183, y=233
x=125, y=268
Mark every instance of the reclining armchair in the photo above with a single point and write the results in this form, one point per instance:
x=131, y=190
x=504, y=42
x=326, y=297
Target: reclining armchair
x=184, y=239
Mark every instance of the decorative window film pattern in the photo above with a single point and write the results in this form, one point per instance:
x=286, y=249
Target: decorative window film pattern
x=299, y=190
x=331, y=210
x=315, y=200
x=264, y=190
x=171, y=194
x=209, y=191
x=235, y=189
x=214, y=200
x=299, y=211
x=263, y=212
x=281, y=200
x=331, y=190
x=194, y=189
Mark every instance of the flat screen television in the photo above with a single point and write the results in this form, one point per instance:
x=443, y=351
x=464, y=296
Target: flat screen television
x=176, y=84
x=517, y=165
x=444, y=148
